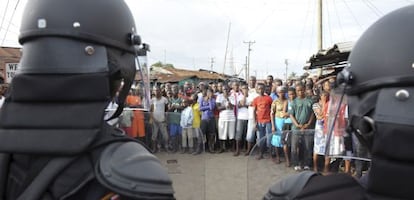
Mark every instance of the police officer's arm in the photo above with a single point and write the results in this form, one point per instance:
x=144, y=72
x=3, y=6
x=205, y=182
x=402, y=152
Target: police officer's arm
x=130, y=170
x=290, y=187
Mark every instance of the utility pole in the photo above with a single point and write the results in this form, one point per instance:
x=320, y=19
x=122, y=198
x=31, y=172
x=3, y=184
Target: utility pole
x=320, y=30
x=227, y=46
x=211, y=63
x=245, y=70
x=286, y=73
x=250, y=43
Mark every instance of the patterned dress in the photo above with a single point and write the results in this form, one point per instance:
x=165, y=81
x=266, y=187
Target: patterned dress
x=320, y=136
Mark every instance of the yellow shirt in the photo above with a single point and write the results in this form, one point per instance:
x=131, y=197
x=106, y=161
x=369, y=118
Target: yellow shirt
x=196, y=115
x=277, y=108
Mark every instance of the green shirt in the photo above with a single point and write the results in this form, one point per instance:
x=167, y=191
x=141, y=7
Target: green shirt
x=301, y=110
x=174, y=117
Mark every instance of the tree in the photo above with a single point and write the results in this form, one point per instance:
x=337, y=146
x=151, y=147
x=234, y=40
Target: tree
x=292, y=75
x=157, y=64
x=168, y=66
x=160, y=64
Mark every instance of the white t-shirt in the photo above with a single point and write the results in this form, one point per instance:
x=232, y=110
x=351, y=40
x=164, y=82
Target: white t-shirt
x=234, y=98
x=225, y=115
x=249, y=101
x=243, y=112
x=159, y=108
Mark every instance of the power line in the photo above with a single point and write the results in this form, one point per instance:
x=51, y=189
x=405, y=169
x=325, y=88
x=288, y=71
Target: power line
x=339, y=20
x=4, y=15
x=8, y=26
x=313, y=30
x=352, y=14
x=227, y=46
x=371, y=8
x=303, y=29
x=262, y=22
x=329, y=21
x=375, y=8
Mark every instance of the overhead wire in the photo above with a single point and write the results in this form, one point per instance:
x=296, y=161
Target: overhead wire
x=371, y=8
x=303, y=30
x=4, y=15
x=329, y=21
x=11, y=19
x=262, y=22
x=339, y=20
x=313, y=30
x=352, y=14
x=375, y=7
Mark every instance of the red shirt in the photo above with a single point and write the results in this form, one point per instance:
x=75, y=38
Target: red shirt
x=262, y=106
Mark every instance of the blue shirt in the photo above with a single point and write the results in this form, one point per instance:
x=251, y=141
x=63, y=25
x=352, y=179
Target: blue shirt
x=207, y=108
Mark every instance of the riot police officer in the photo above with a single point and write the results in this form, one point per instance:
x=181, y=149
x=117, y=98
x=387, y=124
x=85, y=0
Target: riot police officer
x=378, y=85
x=54, y=141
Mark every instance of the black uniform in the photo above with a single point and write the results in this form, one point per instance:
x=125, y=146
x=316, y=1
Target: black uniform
x=379, y=87
x=54, y=142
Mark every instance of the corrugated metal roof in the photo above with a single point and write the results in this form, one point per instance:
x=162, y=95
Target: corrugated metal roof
x=201, y=74
x=337, y=55
x=160, y=70
x=10, y=52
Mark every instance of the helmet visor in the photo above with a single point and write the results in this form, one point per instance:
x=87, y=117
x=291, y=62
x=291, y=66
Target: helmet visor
x=340, y=142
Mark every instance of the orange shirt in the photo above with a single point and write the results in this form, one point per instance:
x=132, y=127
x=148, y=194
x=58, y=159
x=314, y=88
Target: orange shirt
x=262, y=106
x=138, y=126
x=133, y=100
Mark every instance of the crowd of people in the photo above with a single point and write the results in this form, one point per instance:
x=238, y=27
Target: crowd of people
x=286, y=119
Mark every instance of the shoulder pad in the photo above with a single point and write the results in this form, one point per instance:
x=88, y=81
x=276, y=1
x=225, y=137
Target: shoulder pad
x=289, y=187
x=129, y=169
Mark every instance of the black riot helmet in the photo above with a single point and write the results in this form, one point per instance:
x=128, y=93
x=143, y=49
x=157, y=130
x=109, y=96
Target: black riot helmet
x=379, y=89
x=381, y=61
x=81, y=37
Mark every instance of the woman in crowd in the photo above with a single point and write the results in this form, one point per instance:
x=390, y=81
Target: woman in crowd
x=320, y=109
x=278, y=115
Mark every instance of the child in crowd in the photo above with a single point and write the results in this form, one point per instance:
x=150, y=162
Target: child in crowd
x=197, y=135
x=174, y=116
x=186, y=123
x=286, y=135
x=278, y=115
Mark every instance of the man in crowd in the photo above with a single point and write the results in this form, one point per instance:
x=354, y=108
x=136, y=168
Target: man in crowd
x=302, y=118
x=159, y=106
x=262, y=105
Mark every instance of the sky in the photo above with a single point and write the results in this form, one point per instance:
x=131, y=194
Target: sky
x=190, y=34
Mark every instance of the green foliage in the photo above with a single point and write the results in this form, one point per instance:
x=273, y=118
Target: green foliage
x=157, y=64
x=160, y=64
x=292, y=75
x=169, y=65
